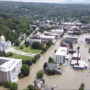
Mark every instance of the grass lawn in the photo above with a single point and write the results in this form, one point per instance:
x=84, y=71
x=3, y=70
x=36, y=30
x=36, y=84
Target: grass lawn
x=28, y=49
x=21, y=57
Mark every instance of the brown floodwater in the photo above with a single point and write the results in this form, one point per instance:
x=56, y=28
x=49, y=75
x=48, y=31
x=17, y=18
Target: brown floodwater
x=70, y=79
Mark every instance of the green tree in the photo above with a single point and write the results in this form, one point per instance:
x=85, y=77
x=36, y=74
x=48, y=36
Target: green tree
x=51, y=60
x=31, y=87
x=9, y=54
x=51, y=72
x=17, y=43
x=13, y=86
x=7, y=84
x=82, y=86
x=37, y=45
x=40, y=74
x=49, y=43
x=45, y=65
x=29, y=62
x=25, y=70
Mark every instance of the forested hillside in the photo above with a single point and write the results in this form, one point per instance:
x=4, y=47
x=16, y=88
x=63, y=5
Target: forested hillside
x=11, y=27
x=38, y=10
x=14, y=16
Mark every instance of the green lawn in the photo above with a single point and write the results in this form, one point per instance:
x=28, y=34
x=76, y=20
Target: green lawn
x=21, y=57
x=28, y=49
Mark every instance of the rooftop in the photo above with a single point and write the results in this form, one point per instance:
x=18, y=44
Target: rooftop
x=61, y=51
x=76, y=55
x=8, y=64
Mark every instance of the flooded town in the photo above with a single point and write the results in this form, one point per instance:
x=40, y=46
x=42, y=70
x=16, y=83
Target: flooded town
x=44, y=48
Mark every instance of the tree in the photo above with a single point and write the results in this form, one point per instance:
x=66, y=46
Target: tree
x=49, y=43
x=9, y=54
x=25, y=70
x=82, y=86
x=40, y=74
x=45, y=65
x=36, y=58
x=13, y=86
x=2, y=53
x=29, y=62
x=51, y=72
x=17, y=43
x=21, y=47
x=7, y=84
x=51, y=60
x=31, y=87
x=37, y=45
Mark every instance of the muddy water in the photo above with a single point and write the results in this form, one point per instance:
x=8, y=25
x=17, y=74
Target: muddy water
x=23, y=83
x=70, y=79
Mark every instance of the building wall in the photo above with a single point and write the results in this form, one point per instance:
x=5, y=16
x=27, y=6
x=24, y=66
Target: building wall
x=3, y=76
x=59, y=59
x=11, y=75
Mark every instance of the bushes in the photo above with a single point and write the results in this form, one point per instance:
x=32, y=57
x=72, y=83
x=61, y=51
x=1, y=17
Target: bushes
x=25, y=70
x=51, y=60
x=21, y=47
x=45, y=65
x=26, y=44
x=9, y=54
x=31, y=87
x=49, y=43
x=11, y=86
x=82, y=87
x=28, y=62
x=51, y=72
x=40, y=74
x=36, y=58
x=17, y=43
x=2, y=53
x=7, y=84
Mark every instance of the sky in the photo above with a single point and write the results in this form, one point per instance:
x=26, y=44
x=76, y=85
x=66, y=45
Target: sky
x=53, y=1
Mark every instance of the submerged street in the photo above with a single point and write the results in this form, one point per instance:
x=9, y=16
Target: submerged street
x=70, y=79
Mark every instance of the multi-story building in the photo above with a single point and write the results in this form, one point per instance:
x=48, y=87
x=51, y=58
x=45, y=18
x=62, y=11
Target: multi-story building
x=60, y=55
x=9, y=69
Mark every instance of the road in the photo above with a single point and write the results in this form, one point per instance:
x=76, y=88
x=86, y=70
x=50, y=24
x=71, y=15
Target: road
x=29, y=36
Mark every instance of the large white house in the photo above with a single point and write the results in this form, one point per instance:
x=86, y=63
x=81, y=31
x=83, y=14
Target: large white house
x=4, y=45
x=60, y=55
x=9, y=69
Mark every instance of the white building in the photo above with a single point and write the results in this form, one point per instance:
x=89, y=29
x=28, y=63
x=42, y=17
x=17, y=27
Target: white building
x=57, y=31
x=4, y=45
x=47, y=38
x=31, y=41
x=52, y=34
x=9, y=69
x=60, y=55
